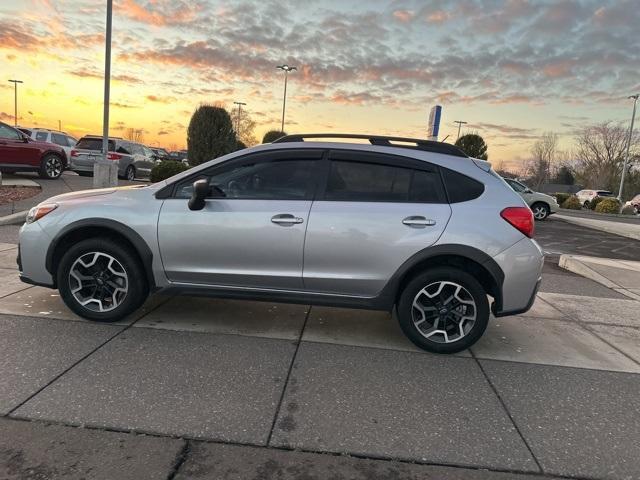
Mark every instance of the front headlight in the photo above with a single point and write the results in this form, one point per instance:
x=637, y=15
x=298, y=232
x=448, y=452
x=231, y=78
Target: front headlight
x=37, y=212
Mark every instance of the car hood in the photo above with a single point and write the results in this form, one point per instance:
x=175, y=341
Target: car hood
x=65, y=197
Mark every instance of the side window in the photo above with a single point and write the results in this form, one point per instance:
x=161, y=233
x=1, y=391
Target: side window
x=59, y=139
x=42, y=136
x=367, y=182
x=125, y=148
x=265, y=180
x=518, y=187
x=426, y=187
x=71, y=141
x=461, y=188
x=8, y=132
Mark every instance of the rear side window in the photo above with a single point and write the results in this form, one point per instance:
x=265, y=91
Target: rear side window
x=94, y=144
x=461, y=188
x=372, y=182
x=71, y=141
x=42, y=136
x=59, y=139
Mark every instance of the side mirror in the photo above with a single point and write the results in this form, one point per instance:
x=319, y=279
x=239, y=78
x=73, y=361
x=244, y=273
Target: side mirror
x=25, y=138
x=200, y=190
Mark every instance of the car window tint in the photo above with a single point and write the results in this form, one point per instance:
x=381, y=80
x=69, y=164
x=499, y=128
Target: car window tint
x=71, y=141
x=518, y=187
x=8, y=132
x=461, y=188
x=426, y=187
x=125, y=148
x=267, y=180
x=367, y=182
x=42, y=136
x=92, y=143
x=59, y=139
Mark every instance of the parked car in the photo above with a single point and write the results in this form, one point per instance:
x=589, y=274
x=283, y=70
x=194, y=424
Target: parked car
x=586, y=196
x=62, y=139
x=635, y=203
x=20, y=153
x=416, y=225
x=160, y=153
x=134, y=159
x=541, y=204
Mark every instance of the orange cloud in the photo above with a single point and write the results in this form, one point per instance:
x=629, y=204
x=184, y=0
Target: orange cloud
x=439, y=16
x=158, y=14
x=403, y=16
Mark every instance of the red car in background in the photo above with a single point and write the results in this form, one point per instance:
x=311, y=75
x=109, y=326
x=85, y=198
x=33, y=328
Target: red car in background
x=19, y=153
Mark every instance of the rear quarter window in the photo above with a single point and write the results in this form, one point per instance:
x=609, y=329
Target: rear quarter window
x=461, y=188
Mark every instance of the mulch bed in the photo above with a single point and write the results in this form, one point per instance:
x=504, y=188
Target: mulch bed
x=13, y=194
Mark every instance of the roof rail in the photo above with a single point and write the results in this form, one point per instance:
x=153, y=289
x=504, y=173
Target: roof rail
x=384, y=141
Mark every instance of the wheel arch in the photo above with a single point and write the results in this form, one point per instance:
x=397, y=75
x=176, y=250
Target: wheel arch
x=99, y=227
x=468, y=259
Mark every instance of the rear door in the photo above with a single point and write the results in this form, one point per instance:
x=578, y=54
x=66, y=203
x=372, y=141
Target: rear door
x=376, y=211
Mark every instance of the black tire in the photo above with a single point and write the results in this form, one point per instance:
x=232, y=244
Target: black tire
x=51, y=166
x=137, y=291
x=85, y=174
x=130, y=173
x=540, y=210
x=443, y=274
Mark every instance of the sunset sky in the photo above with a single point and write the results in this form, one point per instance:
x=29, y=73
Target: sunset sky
x=512, y=69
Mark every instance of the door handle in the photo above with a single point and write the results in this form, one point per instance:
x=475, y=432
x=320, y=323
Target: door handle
x=286, y=219
x=418, y=221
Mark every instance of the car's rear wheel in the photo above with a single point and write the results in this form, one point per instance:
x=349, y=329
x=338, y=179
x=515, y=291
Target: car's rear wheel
x=51, y=166
x=444, y=310
x=540, y=210
x=130, y=173
x=101, y=280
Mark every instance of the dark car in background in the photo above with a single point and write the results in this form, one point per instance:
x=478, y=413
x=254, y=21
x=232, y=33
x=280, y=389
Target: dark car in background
x=134, y=159
x=160, y=154
x=20, y=153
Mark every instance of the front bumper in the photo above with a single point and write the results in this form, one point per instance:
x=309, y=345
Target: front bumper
x=32, y=252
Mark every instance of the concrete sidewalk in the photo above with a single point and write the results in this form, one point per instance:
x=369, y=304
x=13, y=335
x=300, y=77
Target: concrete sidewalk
x=629, y=230
x=622, y=276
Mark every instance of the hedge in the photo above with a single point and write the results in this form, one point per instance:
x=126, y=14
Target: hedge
x=572, y=203
x=608, y=205
x=165, y=169
x=561, y=197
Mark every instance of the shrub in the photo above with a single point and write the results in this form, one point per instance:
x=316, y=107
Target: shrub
x=628, y=210
x=561, y=197
x=473, y=145
x=272, y=135
x=165, y=169
x=572, y=203
x=210, y=134
x=594, y=203
x=608, y=205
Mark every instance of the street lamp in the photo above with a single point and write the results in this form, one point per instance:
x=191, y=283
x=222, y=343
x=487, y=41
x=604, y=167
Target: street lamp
x=286, y=69
x=460, y=123
x=15, y=100
x=240, y=104
x=626, y=157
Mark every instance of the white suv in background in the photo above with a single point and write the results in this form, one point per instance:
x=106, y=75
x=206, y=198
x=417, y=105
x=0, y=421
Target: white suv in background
x=62, y=139
x=586, y=196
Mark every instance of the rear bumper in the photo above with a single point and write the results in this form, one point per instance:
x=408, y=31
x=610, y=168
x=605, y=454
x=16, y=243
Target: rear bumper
x=522, y=266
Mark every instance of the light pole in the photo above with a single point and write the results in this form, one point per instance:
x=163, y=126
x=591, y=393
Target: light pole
x=240, y=104
x=103, y=170
x=626, y=157
x=460, y=123
x=15, y=100
x=286, y=69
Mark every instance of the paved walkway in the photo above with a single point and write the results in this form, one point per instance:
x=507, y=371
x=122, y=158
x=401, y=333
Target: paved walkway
x=622, y=276
x=630, y=229
x=233, y=389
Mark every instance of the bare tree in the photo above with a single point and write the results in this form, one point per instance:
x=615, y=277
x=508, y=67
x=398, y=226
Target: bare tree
x=244, y=128
x=600, y=153
x=544, y=152
x=135, y=135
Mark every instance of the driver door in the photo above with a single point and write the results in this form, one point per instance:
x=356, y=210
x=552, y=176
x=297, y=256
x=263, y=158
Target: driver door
x=251, y=231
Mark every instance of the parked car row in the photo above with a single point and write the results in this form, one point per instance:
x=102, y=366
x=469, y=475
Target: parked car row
x=50, y=152
x=541, y=204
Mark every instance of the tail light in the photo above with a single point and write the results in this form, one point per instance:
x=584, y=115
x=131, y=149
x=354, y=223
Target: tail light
x=74, y=153
x=520, y=218
x=113, y=156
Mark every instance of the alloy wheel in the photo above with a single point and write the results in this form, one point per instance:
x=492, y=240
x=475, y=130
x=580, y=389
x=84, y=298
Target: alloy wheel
x=53, y=167
x=131, y=174
x=98, y=281
x=539, y=212
x=443, y=312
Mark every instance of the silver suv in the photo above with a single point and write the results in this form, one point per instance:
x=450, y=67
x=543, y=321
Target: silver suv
x=410, y=224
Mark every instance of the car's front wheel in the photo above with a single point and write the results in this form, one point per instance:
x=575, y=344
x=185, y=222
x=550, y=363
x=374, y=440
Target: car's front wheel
x=101, y=280
x=540, y=210
x=51, y=166
x=130, y=173
x=444, y=310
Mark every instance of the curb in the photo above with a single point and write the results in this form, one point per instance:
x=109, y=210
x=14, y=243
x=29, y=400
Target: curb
x=14, y=219
x=628, y=230
x=575, y=265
